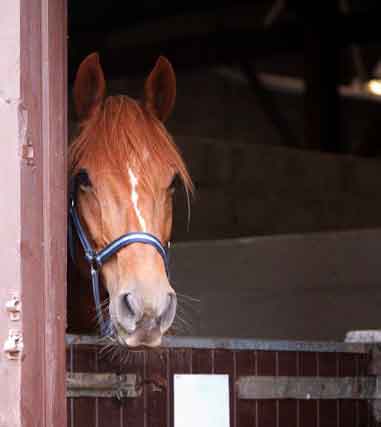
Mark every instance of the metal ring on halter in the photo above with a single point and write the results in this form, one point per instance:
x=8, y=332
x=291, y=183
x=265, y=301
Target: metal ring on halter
x=97, y=259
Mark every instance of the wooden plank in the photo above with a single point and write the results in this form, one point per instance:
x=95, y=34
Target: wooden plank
x=55, y=137
x=69, y=402
x=180, y=361
x=156, y=388
x=308, y=409
x=288, y=366
x=106, y=385
x=328, y=409
x=43, y=210
x=32, y=226
x=229, y=343
x=308, y=388
x=202, y=361
x=163, y=363
x=267, y=410
x=109, y=412
x=365, y=416
x=348, y=409
x=246, y=411
x=133, y=409
x=224, y=363
x=84, y=408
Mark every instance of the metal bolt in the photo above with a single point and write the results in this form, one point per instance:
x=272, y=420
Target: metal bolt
x=13, y=345
x=13, y=307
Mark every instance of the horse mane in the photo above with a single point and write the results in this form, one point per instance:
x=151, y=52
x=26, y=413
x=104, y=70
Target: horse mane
x=121, y=132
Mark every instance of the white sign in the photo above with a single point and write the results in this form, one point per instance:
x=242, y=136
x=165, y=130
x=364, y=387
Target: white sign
x=201, y=400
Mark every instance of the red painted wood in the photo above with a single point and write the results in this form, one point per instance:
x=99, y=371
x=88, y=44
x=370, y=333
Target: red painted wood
x=70, y=402
x=267, y=410
x=348, y=412
x=288, y=409
x=43, y=209
x=202, y=361
x=180, y=361
x=109, y=409
x=84, y=412
x=371, y=422
x=308, y=409
x=157, y=367
x=133, y=409
x=328, y=409
x=365, y=417
x=328, y=364
x=224, y=363
x=348, y=365
x=267, y=363
x=363, y=361
x=245, y=409
x=156, y=388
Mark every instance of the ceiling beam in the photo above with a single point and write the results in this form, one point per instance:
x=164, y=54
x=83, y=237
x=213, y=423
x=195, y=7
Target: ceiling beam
x=226, y=35
x=219, y=47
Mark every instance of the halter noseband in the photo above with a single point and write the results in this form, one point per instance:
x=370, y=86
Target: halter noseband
x=97, y=259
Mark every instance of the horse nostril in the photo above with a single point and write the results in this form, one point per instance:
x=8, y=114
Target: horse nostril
x=169, y=312
x=128, y=311
x=128, y=302
x=130, y=306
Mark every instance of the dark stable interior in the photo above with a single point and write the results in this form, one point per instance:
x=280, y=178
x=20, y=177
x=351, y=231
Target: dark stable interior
x=274, y=114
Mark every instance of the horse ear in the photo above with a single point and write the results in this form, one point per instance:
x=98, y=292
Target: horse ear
x=160, y=89
x=89, y=86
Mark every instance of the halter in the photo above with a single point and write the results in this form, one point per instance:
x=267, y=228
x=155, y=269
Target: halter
x=97, y=259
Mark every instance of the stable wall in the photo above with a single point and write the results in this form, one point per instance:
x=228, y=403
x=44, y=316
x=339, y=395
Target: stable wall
x=313, y=286
x=247, y=189
x=247, y=182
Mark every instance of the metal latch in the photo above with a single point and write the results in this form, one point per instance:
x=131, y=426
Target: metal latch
x=13, y=307
x=13, y=346
x=27, y=153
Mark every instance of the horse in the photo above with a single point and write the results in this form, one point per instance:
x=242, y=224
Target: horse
x=123, y=165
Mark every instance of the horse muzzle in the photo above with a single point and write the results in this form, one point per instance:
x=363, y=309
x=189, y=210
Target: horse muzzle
x=137, y=323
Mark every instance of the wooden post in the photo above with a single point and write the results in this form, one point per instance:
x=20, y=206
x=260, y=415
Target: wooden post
x=43, y=213
x=33, y=211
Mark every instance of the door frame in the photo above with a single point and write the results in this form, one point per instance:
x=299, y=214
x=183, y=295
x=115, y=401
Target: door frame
x=43, y=210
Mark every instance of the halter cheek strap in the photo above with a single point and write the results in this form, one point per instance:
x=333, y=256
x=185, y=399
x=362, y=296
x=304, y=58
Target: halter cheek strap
x=97, y=259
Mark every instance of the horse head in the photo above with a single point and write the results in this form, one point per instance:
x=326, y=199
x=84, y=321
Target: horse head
x=128, y=164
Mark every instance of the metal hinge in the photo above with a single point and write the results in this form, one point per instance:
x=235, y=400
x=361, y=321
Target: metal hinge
x=27, y=153
x=27, y=149
x=87, y=384
x=13, y=307
x=13, y=345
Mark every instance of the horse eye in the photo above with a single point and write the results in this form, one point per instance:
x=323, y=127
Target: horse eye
x=85, y=188
x=173, y=184
x=84, y=181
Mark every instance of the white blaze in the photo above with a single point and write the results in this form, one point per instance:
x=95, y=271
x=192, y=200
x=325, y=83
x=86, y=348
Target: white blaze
x=135, y=198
